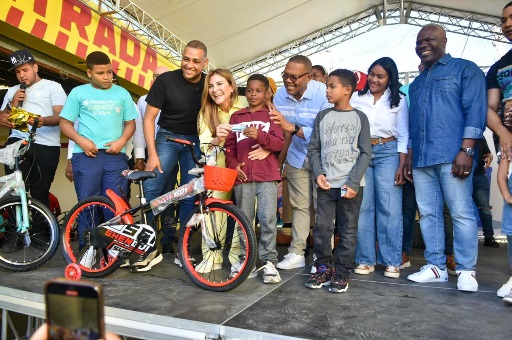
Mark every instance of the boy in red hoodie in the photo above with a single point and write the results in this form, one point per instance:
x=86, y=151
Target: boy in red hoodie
x=257, y=178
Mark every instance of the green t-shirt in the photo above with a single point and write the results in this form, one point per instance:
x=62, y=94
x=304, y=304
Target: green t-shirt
x=101, y=113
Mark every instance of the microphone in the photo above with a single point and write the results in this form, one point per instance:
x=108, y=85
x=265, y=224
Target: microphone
x=23, y=86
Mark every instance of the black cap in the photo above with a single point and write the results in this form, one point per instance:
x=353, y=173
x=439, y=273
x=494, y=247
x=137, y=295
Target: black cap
x=20, y=57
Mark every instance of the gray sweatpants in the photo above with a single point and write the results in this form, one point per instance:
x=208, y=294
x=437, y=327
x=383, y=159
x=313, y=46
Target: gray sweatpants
x=266, y=192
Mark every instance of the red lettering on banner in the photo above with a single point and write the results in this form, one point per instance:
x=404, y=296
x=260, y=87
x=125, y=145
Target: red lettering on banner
x=40, y=7
x=62, y=40
x=142, y=80
x=128, y=74
x=105, y=36
x=115, y=65
x=123, y=51
x=14, y=16
x=81, y=50
x=77, y=13
x=39, y=29
x=150, y=60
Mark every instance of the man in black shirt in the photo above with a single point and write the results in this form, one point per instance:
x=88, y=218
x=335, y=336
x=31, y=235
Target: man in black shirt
x=177, y=96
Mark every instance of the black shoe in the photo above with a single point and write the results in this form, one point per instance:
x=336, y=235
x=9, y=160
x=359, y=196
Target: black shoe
x=145, y=262
x=339, y=284
x=321, y=278
x=167, y=248
x=13, y=243
x=491, y=242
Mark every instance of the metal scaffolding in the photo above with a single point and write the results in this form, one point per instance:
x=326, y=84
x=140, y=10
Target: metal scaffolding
x=131, y=18
x=388, y=13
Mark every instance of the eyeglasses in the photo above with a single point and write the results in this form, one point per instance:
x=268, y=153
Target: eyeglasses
x=292, y=78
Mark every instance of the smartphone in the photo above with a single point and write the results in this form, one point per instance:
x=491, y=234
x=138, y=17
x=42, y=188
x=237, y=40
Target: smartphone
x=74, y=310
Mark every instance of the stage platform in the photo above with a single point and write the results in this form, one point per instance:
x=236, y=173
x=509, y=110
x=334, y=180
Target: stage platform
x=165, y=304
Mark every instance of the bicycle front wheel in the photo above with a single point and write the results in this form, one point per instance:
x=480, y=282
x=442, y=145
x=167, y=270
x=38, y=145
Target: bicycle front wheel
x=218, y=247
x=43, y=233
x=88, y=213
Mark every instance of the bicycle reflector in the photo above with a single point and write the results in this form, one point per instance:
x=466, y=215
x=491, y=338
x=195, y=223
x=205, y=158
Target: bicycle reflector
x=217, y=178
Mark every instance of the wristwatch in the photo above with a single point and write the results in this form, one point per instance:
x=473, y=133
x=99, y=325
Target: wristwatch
x=469, y=151
x=295, y=129
x=8, y=106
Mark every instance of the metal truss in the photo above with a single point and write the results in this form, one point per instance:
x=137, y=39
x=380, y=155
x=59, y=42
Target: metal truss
x=131, y=18
x=389, y=13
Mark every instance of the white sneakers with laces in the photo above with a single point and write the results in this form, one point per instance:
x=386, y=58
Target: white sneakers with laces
x=270, y=273
x=505, y=289
x=429, y=273
x=292, y=261
x=466, y=281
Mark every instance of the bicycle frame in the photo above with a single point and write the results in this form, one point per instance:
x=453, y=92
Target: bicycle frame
x=14, y=183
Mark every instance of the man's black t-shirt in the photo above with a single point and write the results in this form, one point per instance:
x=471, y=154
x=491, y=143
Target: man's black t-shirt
x=500, y=77
x=178, y=100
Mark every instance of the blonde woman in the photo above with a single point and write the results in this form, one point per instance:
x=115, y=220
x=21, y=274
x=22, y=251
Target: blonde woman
x=219, y=101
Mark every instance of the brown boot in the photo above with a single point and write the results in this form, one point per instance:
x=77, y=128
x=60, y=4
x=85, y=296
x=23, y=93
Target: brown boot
x=283, y=239
x=450, y=264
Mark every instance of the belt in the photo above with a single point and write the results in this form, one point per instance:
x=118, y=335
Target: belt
x=381, y=140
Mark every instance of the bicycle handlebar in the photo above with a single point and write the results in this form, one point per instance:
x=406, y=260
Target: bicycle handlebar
x=191, y=147
x=25, y=145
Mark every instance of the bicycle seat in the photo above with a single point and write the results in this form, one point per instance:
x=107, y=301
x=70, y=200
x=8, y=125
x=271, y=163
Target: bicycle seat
x=133, y=175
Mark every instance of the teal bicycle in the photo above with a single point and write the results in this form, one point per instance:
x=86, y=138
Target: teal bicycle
x=29, y=232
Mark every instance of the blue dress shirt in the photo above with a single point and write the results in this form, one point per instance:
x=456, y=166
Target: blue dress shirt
x=448, y=104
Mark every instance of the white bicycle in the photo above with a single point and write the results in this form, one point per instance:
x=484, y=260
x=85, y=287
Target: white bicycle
x=29, y=232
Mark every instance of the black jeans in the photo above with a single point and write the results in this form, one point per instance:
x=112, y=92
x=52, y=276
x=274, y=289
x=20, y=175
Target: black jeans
x=346, y=211
x=38, y=168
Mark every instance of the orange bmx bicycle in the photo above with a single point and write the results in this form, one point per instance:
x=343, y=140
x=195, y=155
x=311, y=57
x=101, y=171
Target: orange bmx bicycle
x=217, y=247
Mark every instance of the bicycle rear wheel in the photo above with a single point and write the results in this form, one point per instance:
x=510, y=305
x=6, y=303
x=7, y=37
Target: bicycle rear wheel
x=43, y=231
x=88, y=213
x=225, y=255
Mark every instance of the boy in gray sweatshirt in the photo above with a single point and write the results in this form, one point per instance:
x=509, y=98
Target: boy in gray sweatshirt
x=339, y=153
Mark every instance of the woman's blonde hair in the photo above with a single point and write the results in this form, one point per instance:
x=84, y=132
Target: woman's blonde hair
x=209, y=112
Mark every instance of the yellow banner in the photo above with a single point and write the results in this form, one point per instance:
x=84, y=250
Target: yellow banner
x=75, y=28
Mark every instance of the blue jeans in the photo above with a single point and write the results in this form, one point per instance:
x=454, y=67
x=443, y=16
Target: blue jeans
x=170, y=154
x=435, y=185
x=381, y=210
x=92, y=177
x=481, y=191
x=409, y=207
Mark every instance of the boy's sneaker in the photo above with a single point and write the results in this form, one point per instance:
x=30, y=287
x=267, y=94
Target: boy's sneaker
x=270, y=273
x=292, y=261
x=451, y=264
x=339, y=284
x=364, y=269
x=235, y=269
x=177, y=260
x=508, y=298
x=321, y=278
x=392, y=272
x=505, y=289
x=429, y=273
x=146, y=261
x=406, y=262
x=467, y=281
x=125, y=264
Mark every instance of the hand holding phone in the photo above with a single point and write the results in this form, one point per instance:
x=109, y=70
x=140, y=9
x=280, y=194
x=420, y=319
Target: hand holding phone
x=74, y=310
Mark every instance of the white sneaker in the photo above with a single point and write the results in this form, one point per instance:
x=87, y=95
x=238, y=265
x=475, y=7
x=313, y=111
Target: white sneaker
x=429, y=273
x=467, y=281
x=125, y=264
x=505, y=289
x=392, y=272
x=508, y=298
x=364, y=269
x=292, y=261
x=235, y=269
x=206, y=266
x=177, y=260
x=270, y=273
